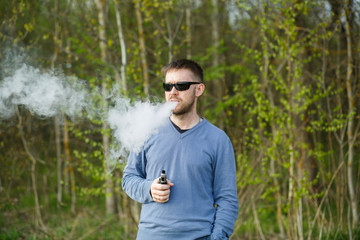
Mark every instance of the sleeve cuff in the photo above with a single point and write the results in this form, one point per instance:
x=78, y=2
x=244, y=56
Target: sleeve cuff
x=219, y=236
x=146, y=189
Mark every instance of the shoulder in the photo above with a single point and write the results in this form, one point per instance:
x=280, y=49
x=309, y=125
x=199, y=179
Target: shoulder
x=215, y=131
x=214, y=136
x=164, y=131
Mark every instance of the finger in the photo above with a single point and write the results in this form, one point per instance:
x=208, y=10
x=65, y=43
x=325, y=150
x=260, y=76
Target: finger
x=163, y=199
x=169, y=182
x=161, y=187
x=161, y=193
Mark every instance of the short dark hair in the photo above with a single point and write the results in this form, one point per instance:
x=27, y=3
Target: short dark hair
x=191, y=65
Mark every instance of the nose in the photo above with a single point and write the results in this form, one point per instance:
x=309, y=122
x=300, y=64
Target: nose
x=173, y=90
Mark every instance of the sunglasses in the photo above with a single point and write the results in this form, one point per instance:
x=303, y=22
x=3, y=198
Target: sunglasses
x=180, y=86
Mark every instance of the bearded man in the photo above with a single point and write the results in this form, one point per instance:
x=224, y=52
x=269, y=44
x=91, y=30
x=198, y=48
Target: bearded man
x=199, y=197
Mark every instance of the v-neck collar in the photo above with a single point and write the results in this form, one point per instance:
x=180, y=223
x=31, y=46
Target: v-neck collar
x=185, y=132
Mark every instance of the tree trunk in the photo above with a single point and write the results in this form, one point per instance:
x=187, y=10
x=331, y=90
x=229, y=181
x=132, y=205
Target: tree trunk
x=144, y=64
x=170, y=38
x=215, y=33
x=218, y=84
x=124, y=88
x=188, y=28
x=66, y=162
x=172, y=33
x=38, y=217
x=350, y=128
x=56, y=36
x=46, y=191
x=59, y=160
x=109, y=188
x=267, y=90
x=56, y=118
x=70, y=165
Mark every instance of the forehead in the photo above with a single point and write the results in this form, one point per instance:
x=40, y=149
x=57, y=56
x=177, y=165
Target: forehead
x=180, y=75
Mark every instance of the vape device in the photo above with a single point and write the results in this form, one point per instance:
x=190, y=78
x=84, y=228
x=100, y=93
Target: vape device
x=162, y=179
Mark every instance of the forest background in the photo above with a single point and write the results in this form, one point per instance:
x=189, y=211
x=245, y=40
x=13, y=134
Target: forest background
x=282, y=80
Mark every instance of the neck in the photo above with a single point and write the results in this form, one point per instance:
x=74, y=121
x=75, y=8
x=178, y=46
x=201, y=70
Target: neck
x=185, y=121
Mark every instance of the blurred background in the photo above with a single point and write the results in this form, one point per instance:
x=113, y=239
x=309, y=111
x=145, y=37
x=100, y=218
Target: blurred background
x=282, y=80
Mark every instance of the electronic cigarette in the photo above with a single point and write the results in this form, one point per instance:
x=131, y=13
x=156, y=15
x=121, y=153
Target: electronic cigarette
x=162, y=179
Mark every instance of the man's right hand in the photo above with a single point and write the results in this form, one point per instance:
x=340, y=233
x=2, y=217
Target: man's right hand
x=160, y=192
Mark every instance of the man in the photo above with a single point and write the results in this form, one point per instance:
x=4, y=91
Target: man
x=199, y=200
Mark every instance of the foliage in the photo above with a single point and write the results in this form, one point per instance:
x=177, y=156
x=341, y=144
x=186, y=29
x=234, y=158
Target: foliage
x=278, y=90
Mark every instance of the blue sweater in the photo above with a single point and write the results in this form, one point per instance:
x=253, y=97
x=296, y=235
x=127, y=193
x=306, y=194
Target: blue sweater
x=203, y=200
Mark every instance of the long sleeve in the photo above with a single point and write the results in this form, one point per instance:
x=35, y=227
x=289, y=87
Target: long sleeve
x=134, y=181
x=225, y=194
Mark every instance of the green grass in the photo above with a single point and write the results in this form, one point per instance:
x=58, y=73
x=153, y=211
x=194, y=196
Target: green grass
x=17, y=221
x=87, y=224
x=341, y=234
x=10, y=234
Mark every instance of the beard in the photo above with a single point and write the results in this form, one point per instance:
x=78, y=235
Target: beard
x=184, y=107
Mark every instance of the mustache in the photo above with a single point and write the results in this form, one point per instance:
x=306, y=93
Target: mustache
x=174, y=98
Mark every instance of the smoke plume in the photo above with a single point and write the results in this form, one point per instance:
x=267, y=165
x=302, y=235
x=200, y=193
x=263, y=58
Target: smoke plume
x=46, y=94
x=133, y=124
x=43, y=94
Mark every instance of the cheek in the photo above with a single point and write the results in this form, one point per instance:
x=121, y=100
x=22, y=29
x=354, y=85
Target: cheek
x=167, y=96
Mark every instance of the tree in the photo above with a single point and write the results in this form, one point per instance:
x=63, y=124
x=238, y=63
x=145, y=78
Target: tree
x=56, y=118
x=282, y=81
x=38, y=216
x=141, y=39
x=352, y=112
x=123, y=49
x=109, y=189
x=188, y=28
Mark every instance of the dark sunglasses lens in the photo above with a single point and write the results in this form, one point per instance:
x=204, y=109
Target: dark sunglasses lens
x=167, y=86
x=182, y=86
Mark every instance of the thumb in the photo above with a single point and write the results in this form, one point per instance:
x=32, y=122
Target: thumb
x=169, y=182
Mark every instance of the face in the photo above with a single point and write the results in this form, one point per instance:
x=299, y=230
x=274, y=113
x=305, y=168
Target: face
x=186, y=99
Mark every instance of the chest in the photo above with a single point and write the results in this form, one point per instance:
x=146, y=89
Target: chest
x=182, y=157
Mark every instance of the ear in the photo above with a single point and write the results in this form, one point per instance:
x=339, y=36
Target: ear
x=200, y=88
